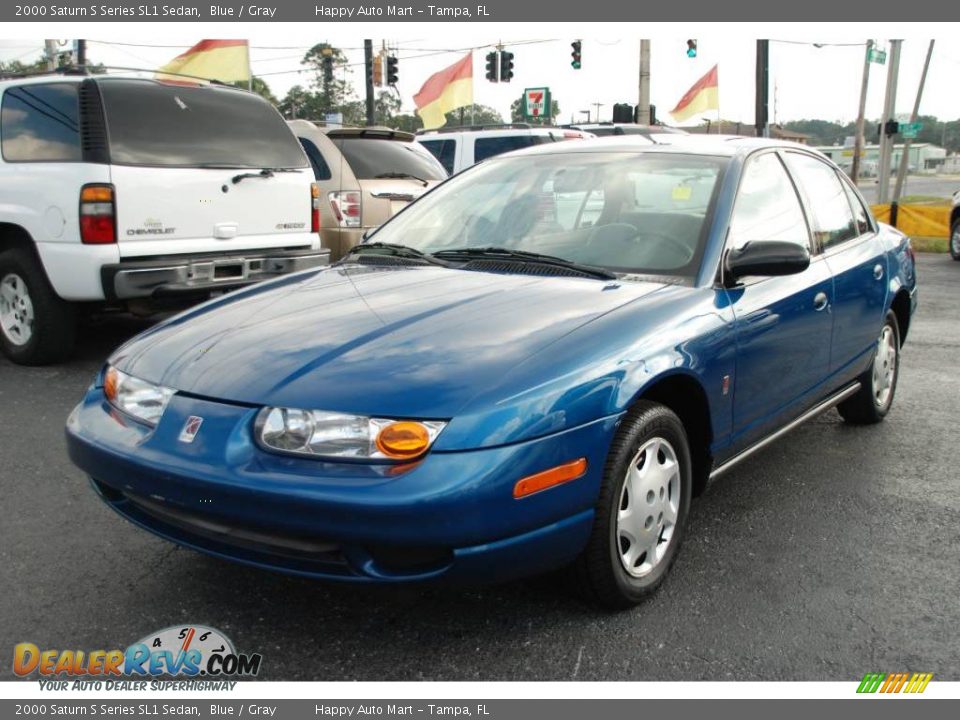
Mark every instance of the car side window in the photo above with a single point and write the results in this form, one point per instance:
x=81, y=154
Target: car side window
x=41, y=123
x=767, y=206
x=443, y=150
x=860, y=215
x=486, y=147
x=833, y=221
x=321, y=171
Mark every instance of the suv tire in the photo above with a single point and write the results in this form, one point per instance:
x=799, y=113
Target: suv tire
x=36, y=326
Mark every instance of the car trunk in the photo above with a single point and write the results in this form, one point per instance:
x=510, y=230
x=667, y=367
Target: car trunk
x=384, y=197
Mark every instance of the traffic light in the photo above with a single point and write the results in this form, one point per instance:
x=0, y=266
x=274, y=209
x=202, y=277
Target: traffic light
x=492, y=67
x=575, y=63
x=691, y=48
x=392, y=70
x=378, y=70
x=891, y=128
x=506, y=65
x=328, y=68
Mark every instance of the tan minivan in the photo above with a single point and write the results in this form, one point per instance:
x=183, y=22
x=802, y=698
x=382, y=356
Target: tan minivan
x=365, y=176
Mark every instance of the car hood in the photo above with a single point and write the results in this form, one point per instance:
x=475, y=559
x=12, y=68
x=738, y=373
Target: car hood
x=390, y=341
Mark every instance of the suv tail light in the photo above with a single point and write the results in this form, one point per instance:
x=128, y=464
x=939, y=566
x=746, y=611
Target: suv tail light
x=346, y=207
x=98, y=224
x=314, y=208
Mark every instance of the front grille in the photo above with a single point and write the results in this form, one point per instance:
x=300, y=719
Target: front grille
x=299, y=547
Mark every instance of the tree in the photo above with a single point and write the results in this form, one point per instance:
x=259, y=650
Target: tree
x=302, y=103
x=517, y=116
x=474, y=115
x=260, y=87
x=333, y=90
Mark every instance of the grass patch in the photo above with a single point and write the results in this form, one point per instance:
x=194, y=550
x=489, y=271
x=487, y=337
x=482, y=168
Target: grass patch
x=924, y=200
x=929, y=244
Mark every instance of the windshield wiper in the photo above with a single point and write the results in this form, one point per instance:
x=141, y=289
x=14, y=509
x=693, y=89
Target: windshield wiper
x=401, y=175
x=501, y=253
x=265, y=173
x=394, y=250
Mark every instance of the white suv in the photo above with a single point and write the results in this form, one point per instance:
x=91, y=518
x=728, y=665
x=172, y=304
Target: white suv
x=457, y=148
x=132, y=192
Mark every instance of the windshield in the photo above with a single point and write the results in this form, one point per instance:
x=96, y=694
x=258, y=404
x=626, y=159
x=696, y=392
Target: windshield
x=157, y=124
x=371, y=158
x=633, y=212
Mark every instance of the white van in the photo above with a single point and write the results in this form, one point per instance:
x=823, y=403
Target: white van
x=130, y=192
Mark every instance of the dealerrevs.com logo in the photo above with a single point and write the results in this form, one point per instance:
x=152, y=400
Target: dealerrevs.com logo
x=191, y=652
x=892, y=683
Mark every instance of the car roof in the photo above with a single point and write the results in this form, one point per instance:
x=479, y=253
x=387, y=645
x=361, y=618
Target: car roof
x=375, y=132
x=515, y=129
x=716, y=145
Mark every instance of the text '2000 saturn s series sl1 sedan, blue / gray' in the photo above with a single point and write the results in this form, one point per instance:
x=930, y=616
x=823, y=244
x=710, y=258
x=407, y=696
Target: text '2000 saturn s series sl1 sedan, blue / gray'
x=535, y=366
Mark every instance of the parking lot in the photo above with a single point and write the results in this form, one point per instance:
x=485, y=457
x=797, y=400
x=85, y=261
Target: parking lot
x=832, y=553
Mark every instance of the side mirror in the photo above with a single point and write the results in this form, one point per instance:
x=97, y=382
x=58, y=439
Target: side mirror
x=765, y=258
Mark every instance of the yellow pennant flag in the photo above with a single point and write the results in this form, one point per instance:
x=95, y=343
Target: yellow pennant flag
x=444, y=91
x=223, y=60
x=704, y=95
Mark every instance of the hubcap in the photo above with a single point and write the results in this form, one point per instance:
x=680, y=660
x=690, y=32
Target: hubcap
x=16, y=310
x=955, y=240
x=649, y=507
x=884, y=367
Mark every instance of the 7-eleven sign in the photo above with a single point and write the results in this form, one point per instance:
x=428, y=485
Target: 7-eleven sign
x=536, y=102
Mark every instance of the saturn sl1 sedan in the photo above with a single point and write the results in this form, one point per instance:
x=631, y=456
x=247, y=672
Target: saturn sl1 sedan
x=535, y=366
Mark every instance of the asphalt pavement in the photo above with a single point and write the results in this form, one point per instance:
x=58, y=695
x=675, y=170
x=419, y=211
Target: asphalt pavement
x=940, y=186
x=834, y=552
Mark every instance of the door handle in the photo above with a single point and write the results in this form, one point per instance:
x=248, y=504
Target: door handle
x=820, y=301
x=878, y=272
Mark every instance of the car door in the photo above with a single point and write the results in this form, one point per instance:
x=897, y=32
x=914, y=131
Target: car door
x=848, y=238
x=783, y=324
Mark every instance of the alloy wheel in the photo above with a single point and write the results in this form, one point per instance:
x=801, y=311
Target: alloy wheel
x=16, y=310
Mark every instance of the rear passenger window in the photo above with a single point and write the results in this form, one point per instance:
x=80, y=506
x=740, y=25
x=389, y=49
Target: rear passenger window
x=487, y=147
x=321, y=171
x=443, y=150
x=833, y=221
x=859, y=211
x=40, y=123
x=767, y=206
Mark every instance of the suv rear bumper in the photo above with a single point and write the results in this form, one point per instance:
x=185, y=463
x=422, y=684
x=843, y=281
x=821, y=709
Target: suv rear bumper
x=178, y=274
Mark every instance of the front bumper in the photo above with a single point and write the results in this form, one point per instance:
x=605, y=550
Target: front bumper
x=450, y=516
x=180, y=274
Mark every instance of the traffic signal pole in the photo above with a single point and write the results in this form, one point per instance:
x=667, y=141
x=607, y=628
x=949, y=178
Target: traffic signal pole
x=763, y=88
x=889, y=108
x=643, y=101
x=368, y=63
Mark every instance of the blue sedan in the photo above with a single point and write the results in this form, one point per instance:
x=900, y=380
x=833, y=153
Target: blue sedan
x=536, y=366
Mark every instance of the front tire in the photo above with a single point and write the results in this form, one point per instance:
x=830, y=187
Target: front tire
x=955, y=239
x=36, y=326
x=641, y=511
x=879, y=382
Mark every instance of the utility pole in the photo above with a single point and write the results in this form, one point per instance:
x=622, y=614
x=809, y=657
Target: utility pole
x=889, y=108
x=905, y=155
x=81, y=53
x=858, y=140
x=51, y=53
x=368, y=64
x=597, y=105
x=643, y=101
x=763, y=87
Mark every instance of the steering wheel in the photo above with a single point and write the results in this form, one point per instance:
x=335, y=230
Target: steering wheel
x=624, y=234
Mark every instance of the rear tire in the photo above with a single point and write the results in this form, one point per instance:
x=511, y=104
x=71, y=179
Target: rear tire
x=955, y=239
x=879, y=382
x=36, y=326
x=641, y=511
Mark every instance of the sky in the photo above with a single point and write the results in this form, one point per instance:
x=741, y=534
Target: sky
x=805, y=81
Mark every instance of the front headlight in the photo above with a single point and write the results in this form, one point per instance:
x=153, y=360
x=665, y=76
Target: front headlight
x=337, y=435
x=138, y=398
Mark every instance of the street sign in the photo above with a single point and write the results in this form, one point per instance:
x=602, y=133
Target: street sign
x=877, y=56
x=536, y=102
x=910, y=130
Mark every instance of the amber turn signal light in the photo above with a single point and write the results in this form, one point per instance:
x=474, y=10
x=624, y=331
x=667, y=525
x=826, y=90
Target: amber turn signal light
x=550, y=478
x=403, y=440
x=110, y=382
